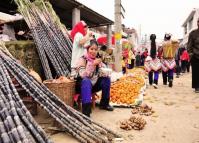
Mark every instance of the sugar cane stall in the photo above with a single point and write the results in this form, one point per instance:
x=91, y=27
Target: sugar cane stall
x=79, y=126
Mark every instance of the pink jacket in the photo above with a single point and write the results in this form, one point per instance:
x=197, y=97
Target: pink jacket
x=86, y=68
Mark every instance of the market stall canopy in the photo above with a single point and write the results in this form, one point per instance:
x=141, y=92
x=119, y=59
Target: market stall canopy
x=64, y=9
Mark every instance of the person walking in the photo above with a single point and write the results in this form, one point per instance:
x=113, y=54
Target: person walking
x=168, y=61
x=184, y=60
x=193, y=50
x=177, y=60
x=152, y=63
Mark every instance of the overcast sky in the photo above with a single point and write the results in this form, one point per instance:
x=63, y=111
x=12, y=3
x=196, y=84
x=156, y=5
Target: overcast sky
x=153, y=16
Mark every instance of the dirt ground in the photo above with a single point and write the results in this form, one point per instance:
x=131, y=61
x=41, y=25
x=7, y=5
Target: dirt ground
x=176, y=117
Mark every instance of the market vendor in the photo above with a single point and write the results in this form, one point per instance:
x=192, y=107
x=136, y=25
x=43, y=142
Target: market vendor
x=79, y=35
x=92, y=80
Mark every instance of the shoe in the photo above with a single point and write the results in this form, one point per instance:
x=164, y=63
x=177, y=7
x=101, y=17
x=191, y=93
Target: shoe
x=196, y=90
x=177, y=76
x=155, y=85
x=164, y=83
x=108, y=108
x=170, y=83
x=104, y=104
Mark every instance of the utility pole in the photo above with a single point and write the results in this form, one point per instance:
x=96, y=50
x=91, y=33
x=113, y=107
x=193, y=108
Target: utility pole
x=118, y=35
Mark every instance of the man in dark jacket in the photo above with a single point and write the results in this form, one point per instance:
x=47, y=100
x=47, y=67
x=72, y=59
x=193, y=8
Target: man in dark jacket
x=193, y=49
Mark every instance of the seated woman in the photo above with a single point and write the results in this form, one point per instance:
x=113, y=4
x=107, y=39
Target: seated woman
x=89, y=70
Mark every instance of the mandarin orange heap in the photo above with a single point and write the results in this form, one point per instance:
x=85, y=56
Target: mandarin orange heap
x=126, y=90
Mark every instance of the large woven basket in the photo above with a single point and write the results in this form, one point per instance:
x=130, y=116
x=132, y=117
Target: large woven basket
x=64, y=91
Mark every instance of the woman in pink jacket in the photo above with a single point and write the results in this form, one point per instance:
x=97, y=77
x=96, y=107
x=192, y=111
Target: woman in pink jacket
x=88, y=68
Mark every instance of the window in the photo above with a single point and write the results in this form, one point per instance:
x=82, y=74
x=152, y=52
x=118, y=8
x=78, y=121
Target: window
x=190, y=23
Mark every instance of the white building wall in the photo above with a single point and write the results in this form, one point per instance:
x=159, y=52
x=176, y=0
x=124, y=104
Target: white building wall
x=193, y=25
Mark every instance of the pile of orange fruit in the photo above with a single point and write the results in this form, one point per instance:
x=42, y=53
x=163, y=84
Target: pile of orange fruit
x=126, y=90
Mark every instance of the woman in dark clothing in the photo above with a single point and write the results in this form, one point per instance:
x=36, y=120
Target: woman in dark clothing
x=138, y=60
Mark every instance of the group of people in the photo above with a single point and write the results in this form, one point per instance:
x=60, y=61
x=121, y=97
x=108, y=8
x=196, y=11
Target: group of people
x=162, y=59
x=86, y=64
x=171, y=58
x=182, y=60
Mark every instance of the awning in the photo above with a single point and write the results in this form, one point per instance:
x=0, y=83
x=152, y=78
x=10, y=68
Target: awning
x=64, y=9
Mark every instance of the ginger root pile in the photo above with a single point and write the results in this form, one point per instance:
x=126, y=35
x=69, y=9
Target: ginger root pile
x=136, y=123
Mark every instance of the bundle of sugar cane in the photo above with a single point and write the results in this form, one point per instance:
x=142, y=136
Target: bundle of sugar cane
x=16, y=122
x=53, y=47
x=78, y=125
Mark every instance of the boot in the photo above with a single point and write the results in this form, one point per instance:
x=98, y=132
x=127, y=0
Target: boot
x=170, y=83
x=104, y=104
x=164, y=83
x=86, y=109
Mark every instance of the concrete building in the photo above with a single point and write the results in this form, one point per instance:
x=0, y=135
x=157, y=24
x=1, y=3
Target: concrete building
x=189, y=25
x=132, y=36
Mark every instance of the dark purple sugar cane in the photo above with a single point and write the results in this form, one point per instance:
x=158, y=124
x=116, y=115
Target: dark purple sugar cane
x=74, y=111
x=30, y=120
x=59, y=119
x=42, y=95
x=28, y=124
x=14, y=113
x=4, y=135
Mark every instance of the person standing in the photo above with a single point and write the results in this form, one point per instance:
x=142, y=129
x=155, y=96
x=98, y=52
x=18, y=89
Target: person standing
x=131, y=59
x=80, y=35
x=193, y=50
x=138, y=60
x=168, y=61
x=123, y=62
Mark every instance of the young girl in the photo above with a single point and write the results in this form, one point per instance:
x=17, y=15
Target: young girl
x=88, y=67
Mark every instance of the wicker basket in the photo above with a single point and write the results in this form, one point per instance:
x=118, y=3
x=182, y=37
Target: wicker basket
x=64, y=91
